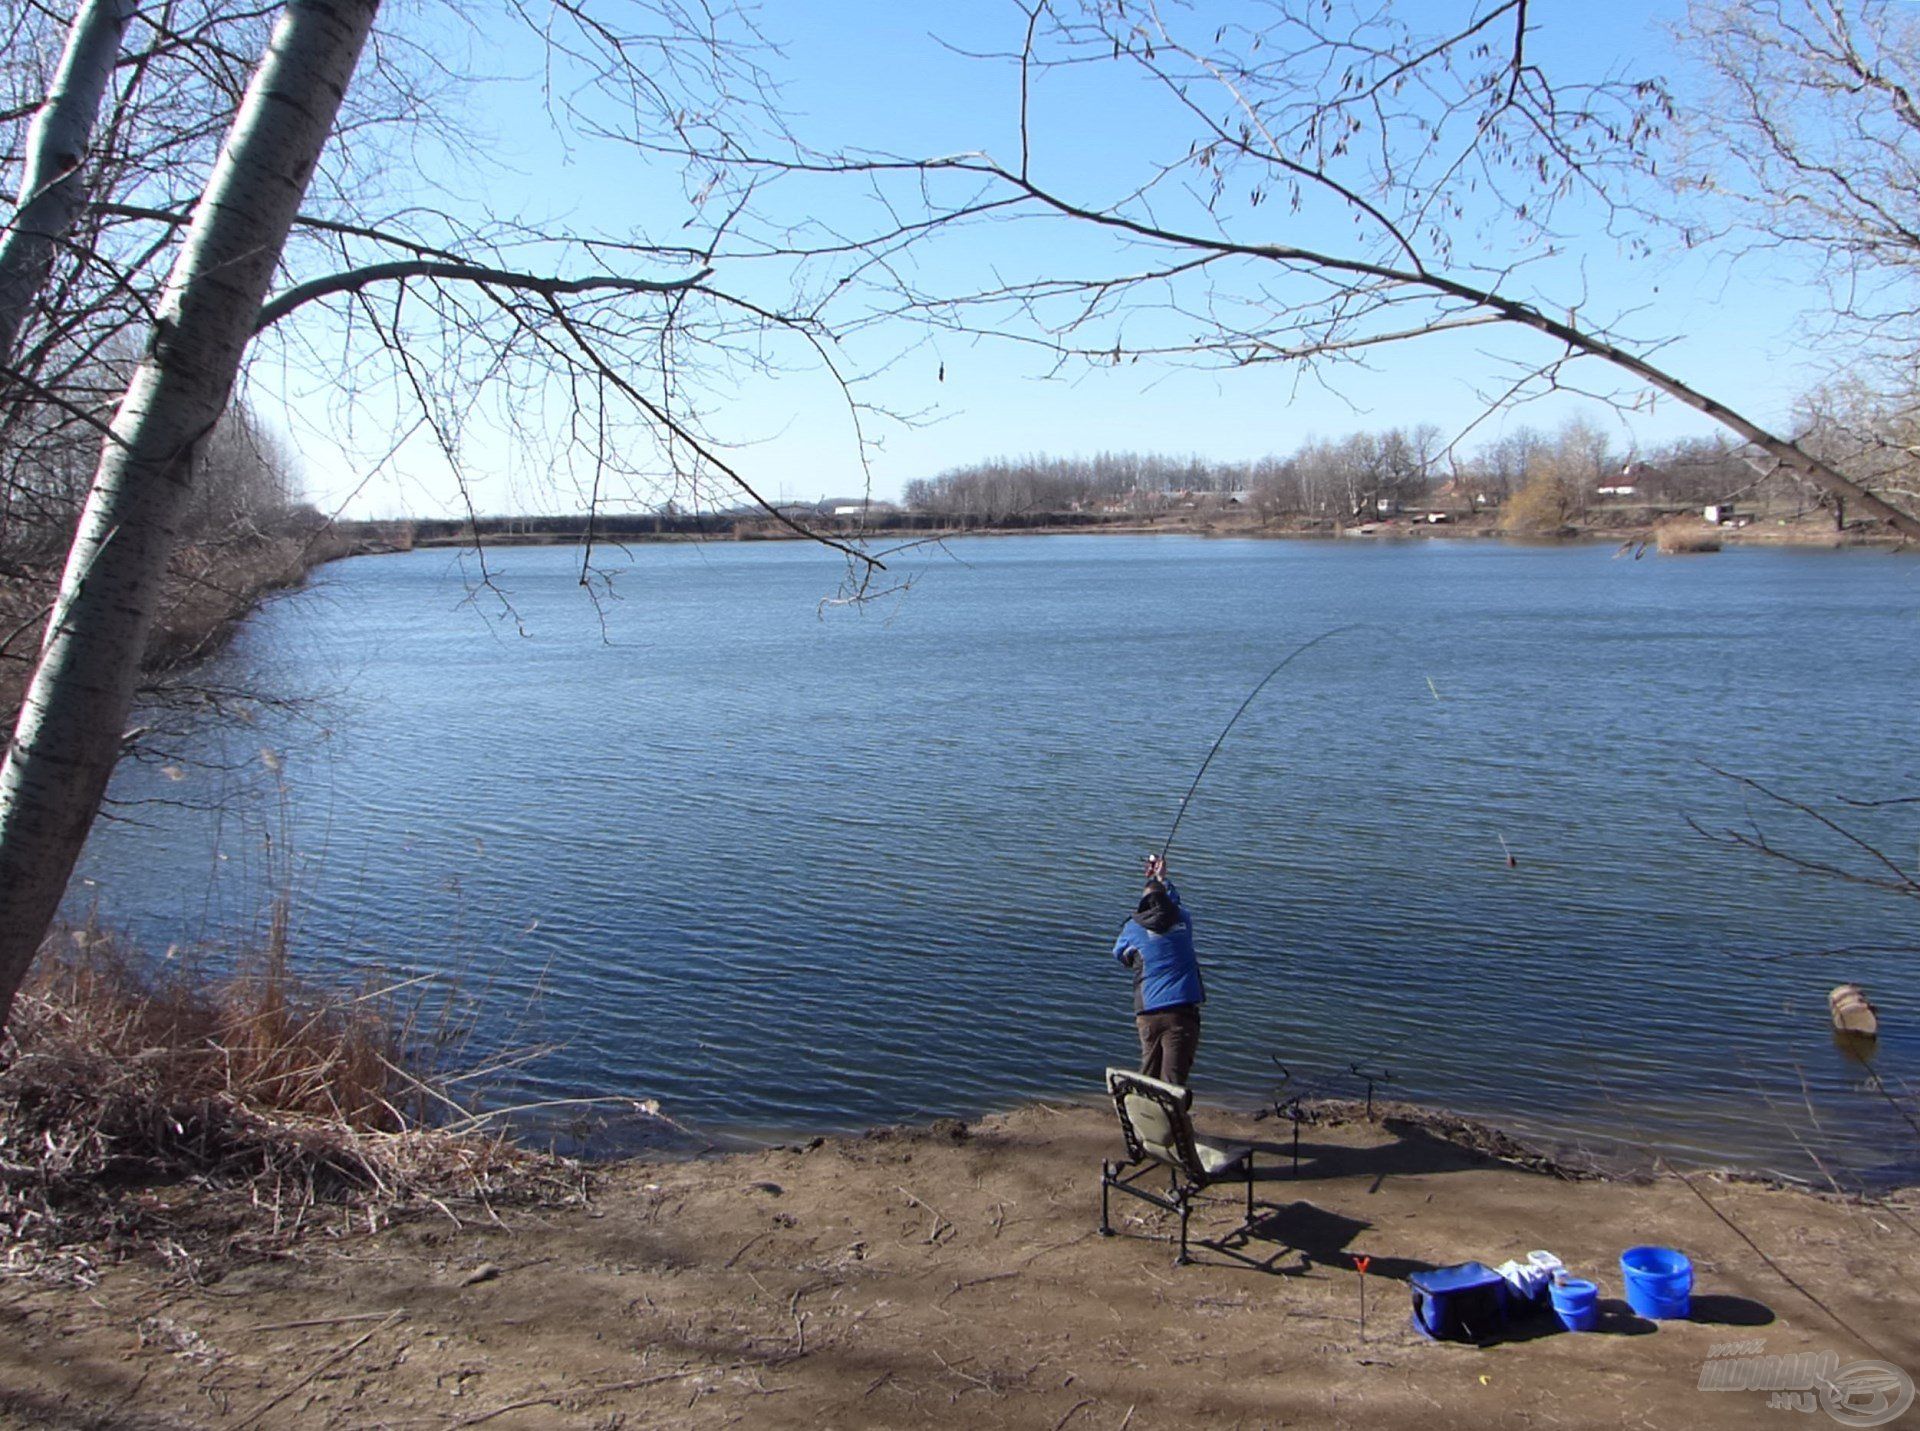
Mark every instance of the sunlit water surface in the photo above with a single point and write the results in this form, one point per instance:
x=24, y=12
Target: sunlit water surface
x=790, y=869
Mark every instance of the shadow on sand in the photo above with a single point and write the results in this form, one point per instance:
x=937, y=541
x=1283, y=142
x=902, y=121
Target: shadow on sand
x=1292, y=1239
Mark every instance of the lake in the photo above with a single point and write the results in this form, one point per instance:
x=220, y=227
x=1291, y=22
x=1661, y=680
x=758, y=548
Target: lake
x=792, y=868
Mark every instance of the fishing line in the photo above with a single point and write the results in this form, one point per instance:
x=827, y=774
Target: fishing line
x=1291, y=657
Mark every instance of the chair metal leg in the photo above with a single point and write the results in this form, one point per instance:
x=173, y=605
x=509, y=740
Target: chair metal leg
x=1249, y=1191
x=1182, y=1260
x=1106, y=1174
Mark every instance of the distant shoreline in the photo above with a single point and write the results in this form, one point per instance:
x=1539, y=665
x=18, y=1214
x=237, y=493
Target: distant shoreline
x=369, y=538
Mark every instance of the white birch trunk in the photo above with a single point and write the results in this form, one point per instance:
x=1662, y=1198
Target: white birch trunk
x=69, y=732
x=53, y=186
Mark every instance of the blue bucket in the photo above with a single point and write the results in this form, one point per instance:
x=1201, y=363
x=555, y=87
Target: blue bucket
x=1659, y=1282
x=1577, y=1302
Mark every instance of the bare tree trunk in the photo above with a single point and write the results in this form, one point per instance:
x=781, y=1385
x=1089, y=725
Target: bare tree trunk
x=53, y=186
x=69, y=732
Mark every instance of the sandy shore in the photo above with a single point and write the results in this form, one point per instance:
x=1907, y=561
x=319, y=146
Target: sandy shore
x=944, y=1276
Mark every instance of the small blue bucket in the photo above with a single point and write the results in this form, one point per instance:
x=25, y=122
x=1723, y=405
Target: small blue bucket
x=1659, y=1282
x=1577, y=1302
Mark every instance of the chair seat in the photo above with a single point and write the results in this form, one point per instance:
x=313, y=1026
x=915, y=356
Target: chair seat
x=1157, y=1122
x=1217, y=1157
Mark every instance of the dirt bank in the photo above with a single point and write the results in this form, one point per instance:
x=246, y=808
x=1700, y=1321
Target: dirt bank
x=211, y=587
x=950, y=1277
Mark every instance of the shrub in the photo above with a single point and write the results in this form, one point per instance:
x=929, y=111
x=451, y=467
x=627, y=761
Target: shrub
x=1543, y=507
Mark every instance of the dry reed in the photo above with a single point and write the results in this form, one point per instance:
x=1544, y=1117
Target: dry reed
x=123, y=1080
x=1680, y=536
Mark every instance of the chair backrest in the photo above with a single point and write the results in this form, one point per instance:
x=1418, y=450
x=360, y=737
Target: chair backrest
x=1156, y=1119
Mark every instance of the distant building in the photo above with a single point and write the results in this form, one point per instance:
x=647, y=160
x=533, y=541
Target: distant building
x=1454, y=491
x=855, y=507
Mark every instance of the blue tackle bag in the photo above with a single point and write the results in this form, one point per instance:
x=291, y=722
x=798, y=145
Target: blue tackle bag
x=1467, y=1303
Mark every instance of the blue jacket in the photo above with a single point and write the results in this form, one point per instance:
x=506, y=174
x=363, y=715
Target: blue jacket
x=1166, y=972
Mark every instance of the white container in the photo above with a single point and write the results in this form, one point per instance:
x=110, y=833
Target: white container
x=1529, y=1283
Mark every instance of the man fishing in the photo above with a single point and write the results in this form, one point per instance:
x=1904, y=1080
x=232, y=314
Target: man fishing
x=1157, y=945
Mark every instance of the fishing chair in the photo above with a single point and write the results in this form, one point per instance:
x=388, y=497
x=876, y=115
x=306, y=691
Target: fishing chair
x=1156, y=1119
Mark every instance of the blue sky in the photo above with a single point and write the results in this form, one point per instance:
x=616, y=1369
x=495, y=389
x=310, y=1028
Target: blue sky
x=859, y=73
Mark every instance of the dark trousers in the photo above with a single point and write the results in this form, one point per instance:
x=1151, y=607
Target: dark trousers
x=1169, y=1038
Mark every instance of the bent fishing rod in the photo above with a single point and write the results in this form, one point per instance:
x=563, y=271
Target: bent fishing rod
x=1289, y=659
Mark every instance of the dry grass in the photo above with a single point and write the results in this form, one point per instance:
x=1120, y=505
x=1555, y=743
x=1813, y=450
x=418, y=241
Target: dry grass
x=128, y=1086
x=1681, y=535
x=214, y=585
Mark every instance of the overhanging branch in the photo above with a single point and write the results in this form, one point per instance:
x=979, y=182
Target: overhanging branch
x=353, y=280
x=1510, y=310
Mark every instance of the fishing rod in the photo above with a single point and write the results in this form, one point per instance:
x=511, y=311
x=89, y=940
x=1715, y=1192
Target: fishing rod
x=1290, y=658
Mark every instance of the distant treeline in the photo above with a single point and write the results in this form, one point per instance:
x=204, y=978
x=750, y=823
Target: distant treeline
x=1007, y=485
x=1360, y=474
x=741, y=524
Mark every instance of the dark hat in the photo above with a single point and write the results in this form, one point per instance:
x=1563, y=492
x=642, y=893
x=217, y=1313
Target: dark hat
x=1156, y=913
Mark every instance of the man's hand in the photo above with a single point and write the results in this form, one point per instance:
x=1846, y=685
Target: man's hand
x=1156, y=868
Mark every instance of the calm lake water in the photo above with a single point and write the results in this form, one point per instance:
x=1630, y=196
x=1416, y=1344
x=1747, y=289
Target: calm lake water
x=791, y=870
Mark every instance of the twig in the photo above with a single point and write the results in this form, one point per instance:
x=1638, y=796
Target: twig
x=799, y=1321
x=1083, y=1401
x=1054, y=1247
x=941, y=1222
x=335, y=1359
x=589, y=1391
x=969, y=1376
x=313, y=1322
x=976, y=1282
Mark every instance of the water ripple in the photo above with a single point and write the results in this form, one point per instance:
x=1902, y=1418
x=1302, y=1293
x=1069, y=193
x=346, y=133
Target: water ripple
x=779, y=871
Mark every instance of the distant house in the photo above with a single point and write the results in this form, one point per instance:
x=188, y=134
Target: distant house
x=1456, y=493
x=1617, y=491
x=1718, y=512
